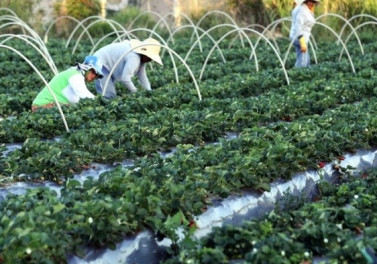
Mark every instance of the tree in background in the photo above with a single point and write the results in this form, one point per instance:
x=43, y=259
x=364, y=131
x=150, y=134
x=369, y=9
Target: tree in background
x=78, y=9
x=24, y=10
x=245, y=12
x=248, y=11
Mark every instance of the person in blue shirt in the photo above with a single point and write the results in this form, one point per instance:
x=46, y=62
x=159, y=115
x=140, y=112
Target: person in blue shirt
x=303, y=21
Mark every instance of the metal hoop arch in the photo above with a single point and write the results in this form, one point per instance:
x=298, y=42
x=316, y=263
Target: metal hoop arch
x=268, y=42
x=46, y=56
x=43, y=79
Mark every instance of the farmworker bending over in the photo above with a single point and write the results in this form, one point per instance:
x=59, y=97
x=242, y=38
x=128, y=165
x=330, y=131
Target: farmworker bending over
x=133, y=55
x=69, y=86
x=303, y=21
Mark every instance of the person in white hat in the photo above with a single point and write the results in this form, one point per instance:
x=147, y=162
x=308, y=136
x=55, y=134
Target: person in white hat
x=303, y=21
x=135, y=54
x=69, y=86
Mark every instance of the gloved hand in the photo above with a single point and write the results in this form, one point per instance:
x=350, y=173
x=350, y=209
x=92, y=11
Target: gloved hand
x=303, y=46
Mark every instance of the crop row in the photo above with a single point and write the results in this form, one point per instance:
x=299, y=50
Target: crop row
x=145, y=195
x=101, y=134
x=282, y=130
x=338, y=227
x=16, y=94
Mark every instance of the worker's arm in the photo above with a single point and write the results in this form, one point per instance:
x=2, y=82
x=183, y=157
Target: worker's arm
x=130, y=68
x=78, y=86
x=143, y=78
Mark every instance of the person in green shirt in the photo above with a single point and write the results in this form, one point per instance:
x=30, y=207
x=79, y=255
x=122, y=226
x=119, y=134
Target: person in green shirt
x=69, y=86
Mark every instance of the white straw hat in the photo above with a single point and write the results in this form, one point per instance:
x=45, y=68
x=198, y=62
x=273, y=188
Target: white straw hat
x=149, y=47
x=299, y=2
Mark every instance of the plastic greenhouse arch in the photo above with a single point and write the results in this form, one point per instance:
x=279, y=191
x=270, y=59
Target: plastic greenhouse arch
x=252, y=26
x=236, y=28
x=180, y=15
x=33, y=36
x=162, y=46
x=216, y=45
x=356, y=28
x=220, y=13
x=127, y=34
x=99, y=19
x=26, y=38
x=164, y=42
x=163, y=19
x=191, y=22
x=45, y=38
x=273, y=26
x=153, y=13
x=43, y=79
x=346, y=23
x=18, y=22
x=354, y=17
x=338, y=37
x=204, y=32
x=8, y=10
x=256, y=32
x=341, y=42
x=152, y=32
x=107, y=36
x=13, y=18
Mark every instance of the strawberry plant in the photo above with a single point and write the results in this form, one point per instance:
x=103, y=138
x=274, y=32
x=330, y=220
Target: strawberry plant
x=325, y=112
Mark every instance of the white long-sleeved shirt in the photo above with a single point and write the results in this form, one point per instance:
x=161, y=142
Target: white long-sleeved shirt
x=129, y=66
x=77, y=89
x=293, y=16
x=303, y=21
x=68, y=87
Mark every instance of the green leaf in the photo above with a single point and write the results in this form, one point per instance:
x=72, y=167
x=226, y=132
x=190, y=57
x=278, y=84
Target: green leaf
x=58, y=207
x=72, y=183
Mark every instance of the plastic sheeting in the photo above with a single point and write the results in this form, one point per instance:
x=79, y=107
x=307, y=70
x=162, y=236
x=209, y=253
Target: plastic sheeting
x=20, y=188
x=138, y=249
x=236, y=209
x=143, y=248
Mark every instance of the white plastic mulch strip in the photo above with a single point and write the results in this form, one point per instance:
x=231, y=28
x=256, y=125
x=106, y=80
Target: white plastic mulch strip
x=8, y=117
x=20, y=188
x=234, y=210
x=11, y=147
x=94, y=171
x=139, y=249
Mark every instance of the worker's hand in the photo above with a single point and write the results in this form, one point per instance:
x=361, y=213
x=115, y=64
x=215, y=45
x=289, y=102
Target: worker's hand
x=303, y=46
